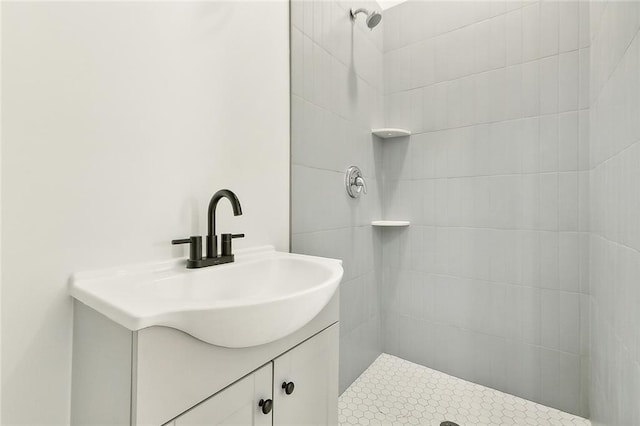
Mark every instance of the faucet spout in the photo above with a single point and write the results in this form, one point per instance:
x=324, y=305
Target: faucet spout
x=212, y=239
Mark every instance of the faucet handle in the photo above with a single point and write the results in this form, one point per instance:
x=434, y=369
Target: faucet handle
x=226, y=243
x=181, y=241
x=195, y=246
x=361, y=184
x=354, y=182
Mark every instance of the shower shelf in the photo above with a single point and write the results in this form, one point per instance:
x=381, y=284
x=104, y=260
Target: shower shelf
x=389, y=133
x=390, y=223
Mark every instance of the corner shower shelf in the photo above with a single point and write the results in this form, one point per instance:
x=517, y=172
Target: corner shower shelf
x=390, y=223
x=389, y=133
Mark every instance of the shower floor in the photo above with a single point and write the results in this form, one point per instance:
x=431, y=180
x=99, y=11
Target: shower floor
x=393, y=392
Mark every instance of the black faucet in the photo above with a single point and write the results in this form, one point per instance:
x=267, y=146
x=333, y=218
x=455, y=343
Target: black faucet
x=212, y=238
x=226, y=256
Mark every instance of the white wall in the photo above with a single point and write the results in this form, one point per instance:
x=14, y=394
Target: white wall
x=615, y=213
x=120, y=122
x=486, y=283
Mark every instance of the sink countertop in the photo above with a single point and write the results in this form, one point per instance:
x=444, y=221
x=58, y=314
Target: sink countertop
x=262, y=296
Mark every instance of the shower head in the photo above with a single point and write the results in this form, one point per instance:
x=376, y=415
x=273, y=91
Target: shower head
x=373, y=18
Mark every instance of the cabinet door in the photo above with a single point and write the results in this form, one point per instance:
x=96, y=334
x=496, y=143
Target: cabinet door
x=236, y=405
x=312, y=366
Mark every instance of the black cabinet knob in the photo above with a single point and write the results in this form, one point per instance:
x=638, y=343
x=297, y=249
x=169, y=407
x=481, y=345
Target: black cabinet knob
x=266, y=405
x=288, y=387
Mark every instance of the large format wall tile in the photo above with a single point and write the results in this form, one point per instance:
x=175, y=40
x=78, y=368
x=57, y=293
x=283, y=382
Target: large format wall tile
x=615, y=213
x=487, y=280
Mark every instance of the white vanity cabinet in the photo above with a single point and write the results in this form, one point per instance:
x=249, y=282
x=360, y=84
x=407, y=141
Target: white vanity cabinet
x=308, y=398
x=235, y=405
x=163, y=376
x=309, y=371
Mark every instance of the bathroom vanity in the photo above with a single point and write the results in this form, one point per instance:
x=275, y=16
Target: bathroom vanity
x=136, y=364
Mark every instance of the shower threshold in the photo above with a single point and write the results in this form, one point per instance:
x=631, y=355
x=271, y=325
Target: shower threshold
x=394, y=392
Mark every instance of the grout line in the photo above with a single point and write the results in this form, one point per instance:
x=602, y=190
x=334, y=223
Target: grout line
x=487, y=71
x=522, y=7
x=488, y=281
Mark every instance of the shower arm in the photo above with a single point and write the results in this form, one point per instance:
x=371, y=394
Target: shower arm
x=359, y=10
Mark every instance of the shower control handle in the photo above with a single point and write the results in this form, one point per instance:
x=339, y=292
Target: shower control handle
x=361, y=184
x=354, y=182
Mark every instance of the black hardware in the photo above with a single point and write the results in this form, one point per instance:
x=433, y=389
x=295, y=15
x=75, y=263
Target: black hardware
x=195, y=253
x=195, y=247
x=226, y=243
x=266, y=405
x=288, y=387
x=212, y=238
x=205, y=261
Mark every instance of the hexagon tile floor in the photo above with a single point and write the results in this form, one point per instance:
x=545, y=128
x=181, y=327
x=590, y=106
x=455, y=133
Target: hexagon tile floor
x=395, y=392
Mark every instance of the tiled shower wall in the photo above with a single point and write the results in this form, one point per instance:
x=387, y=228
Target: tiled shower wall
x=489, y=282
x=615, y=213
x=336, y=85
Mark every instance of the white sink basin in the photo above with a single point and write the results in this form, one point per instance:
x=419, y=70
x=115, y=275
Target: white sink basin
x=261, y=297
